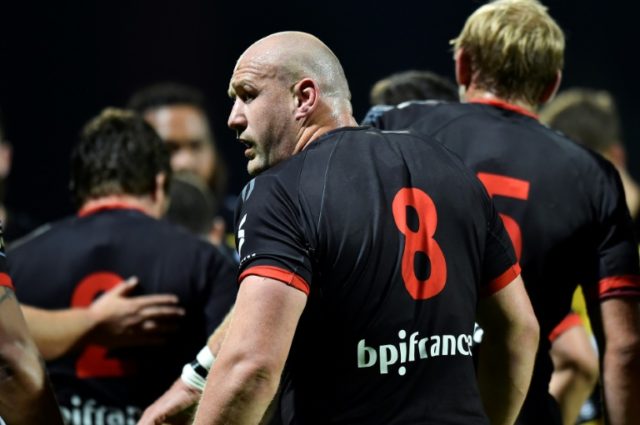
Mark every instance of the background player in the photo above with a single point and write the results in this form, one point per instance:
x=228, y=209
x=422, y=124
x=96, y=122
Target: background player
x=589, y=117
x=412, y=85
x=179, y=114
x=192, y=204
x=119, y=172
x=508, y=59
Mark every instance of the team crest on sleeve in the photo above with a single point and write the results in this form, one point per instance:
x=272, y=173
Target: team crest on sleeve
x=241, y=239
x=241, y=232
x=248, y=190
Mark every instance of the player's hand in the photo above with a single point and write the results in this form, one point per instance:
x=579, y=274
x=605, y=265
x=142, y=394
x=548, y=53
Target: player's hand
x=128, y=321
x=174, y=407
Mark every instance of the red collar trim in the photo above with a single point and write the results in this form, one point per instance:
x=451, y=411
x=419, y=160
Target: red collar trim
x=505, y=105
x=109, y=206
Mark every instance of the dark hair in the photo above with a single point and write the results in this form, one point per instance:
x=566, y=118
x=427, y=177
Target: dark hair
x=413, y=85
x=118, y=154
x=166, y=94
x=192, y=206
x=587, y=116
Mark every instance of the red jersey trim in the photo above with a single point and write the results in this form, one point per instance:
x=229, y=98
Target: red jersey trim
x=616, y=283
x=505, y=105
x=284, y=276
x=501, y=281
x=5, y=280
x=571, y=320
x=110, y=206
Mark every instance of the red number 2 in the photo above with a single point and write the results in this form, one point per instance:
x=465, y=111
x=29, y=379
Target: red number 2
x=93, y=361
x=511, y=188
x=419, y=241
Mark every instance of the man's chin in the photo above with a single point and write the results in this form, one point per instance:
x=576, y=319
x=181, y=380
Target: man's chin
x=254, y=168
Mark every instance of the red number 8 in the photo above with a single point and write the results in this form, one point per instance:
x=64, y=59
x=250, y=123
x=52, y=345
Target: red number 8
x=419, y=241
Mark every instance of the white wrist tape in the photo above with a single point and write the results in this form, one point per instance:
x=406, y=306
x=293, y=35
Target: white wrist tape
x=194, y=374
x=206, y=358
x=192, y=379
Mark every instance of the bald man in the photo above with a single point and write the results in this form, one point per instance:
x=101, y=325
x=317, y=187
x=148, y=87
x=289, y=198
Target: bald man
x=358, y=268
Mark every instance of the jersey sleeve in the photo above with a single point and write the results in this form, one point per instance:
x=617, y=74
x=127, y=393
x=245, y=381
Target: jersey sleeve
x=5, y=279
x=618, y=270
x=270, y=238
x=500, y=266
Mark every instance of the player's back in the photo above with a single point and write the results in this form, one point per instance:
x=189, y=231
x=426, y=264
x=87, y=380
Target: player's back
x=561, y=204
x=70, y=263
x=401, y=240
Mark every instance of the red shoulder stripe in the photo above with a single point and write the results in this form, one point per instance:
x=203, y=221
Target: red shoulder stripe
x=287, y=277
x=501, y=281
x=5, y=280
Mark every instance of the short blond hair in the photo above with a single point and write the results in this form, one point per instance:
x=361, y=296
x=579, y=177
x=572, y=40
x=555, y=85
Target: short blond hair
x=516, y=48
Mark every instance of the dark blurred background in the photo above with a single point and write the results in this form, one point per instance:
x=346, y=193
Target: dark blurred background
x=61, y=63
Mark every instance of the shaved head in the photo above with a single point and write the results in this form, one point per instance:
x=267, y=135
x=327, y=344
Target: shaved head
x=292, y=56
x=287, y=89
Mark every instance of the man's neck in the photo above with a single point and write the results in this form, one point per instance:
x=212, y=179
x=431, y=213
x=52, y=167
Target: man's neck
x=474, y=93
x=144, y=204
x=312, y=132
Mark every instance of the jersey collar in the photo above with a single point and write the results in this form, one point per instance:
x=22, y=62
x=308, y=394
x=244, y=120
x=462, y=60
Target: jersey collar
x=505, y=105
x=109, y=206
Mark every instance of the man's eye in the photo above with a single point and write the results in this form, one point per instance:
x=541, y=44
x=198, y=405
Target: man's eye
x=247, y=97
x=196, y=145
x=172, y=146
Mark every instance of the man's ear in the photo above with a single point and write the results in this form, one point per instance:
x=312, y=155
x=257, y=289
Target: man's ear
x=463, y=68
x=161, y=184
x=617, y=155
x=307, y=96
x=160, y=195
x=551, y=90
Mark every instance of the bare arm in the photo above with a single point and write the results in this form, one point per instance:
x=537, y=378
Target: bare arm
x=247, y=371
x=112, y=320
x=57, y=332
x=26, y=397
x=575, y=374
x=508, y=351
x=621, y=362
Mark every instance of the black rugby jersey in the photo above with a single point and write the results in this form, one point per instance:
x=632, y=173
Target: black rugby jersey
x=563, y=206
x=393, y=240
x=73, y=261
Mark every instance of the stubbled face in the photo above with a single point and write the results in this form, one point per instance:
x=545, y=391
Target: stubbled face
x=262, y=114
x=185, y=130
